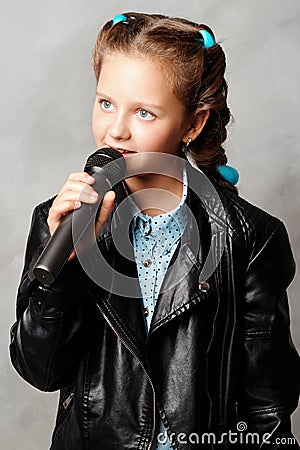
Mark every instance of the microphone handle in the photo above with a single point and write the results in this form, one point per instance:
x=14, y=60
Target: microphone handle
x=68, y=233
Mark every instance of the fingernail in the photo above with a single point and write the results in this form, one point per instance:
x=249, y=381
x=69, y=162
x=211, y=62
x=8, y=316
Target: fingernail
x=93, y=195
x=77, y=204
x=90, y=179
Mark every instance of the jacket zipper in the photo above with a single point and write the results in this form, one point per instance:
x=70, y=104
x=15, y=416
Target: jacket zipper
x=68, y=400
x=236, y=404
x=208, y=348
x=143, y=367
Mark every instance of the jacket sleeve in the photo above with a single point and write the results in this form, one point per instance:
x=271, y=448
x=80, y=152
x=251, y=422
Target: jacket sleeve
x=271, y=363
x=46, y=339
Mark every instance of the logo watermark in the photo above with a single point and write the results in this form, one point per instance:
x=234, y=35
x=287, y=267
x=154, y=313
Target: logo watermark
x=238, y=436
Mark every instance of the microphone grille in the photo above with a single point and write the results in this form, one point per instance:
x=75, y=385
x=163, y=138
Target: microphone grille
x=115, y=162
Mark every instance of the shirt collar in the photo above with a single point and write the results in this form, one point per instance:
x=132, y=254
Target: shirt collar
x=175, y=219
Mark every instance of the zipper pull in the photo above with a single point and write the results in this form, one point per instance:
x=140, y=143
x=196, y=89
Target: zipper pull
x=237, y=410
x=68, y=400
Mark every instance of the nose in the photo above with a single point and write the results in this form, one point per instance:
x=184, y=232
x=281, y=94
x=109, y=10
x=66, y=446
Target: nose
x=119, y=129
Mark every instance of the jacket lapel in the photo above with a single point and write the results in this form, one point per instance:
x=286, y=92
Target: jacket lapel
x=191, y=264
x=180, y=289
x=197, y=256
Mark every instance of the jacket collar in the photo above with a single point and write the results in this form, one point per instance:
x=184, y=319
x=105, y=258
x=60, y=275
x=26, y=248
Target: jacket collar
x=180, y=290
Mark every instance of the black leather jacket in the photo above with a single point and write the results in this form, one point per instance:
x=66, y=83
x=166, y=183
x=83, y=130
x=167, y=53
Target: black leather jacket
x=214, y=357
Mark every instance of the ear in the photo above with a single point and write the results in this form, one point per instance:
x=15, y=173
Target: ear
x=196, y=126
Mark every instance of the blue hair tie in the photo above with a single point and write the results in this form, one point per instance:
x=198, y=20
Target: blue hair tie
x=229, y=173
x=119, y=18
x=206, y=38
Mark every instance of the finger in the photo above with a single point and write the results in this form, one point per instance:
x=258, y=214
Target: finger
x=72, y=256
x=107, y=204
x=81, y=176
x=58, y=211
x=75, y=186
x=67, y=201
x=84, y=195
x=105, y=211
x=63, y=208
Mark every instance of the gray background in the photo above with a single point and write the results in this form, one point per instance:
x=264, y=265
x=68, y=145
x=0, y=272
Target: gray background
x=47, y=94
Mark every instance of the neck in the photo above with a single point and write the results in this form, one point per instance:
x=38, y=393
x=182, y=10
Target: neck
x=156, y=194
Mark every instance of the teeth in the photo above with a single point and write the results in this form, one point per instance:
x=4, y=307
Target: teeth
x=125, y=151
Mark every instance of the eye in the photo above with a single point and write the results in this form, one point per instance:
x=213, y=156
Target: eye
x=145, y=115
x=106, y=105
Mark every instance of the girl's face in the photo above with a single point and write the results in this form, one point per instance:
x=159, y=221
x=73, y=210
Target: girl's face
x=135, y=108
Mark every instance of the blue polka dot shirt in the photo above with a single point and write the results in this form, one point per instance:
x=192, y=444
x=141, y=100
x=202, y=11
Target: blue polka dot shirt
x=155, y=240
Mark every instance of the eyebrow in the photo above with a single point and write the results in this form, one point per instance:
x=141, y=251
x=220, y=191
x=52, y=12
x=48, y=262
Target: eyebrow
x=139, y=104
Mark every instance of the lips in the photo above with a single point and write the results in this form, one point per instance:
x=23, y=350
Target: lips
x=124, y=151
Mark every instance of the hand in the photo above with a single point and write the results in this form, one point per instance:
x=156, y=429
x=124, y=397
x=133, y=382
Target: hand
x=78, y=189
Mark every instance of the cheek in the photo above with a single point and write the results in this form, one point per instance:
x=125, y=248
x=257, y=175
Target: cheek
x=94, y=121
x=169, y=136
x=97, y=126
x=95, y=132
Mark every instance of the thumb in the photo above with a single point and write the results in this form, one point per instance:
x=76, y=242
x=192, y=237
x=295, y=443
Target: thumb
x=104, y=211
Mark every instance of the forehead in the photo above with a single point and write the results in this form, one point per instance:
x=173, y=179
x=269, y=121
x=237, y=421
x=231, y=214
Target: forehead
x=137, y=76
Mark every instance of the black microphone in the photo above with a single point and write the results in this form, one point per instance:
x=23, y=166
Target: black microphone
x=108, y=167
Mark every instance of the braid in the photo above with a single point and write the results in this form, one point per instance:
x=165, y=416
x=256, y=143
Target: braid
x=207, y=150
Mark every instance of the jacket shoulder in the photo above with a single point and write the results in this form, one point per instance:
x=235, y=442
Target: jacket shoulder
x=247, y=222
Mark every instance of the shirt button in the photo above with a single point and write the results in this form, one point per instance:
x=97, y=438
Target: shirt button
x=146, y=311
x=203, y=286
x=147, y=263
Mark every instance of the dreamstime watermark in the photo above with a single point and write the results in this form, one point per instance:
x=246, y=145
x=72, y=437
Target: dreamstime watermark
x=240, y=436
x=104, y=273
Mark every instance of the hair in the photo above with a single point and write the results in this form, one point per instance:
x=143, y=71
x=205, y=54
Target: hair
x=195, y=74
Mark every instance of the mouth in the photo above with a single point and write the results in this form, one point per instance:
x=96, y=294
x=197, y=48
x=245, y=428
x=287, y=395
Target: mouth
x=126, y=152
x=123, y=151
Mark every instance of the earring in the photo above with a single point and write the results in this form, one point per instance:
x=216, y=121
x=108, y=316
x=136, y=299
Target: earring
x=188, y=141
x=184, y=148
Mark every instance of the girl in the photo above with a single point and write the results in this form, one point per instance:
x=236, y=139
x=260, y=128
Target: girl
x=193, y=361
